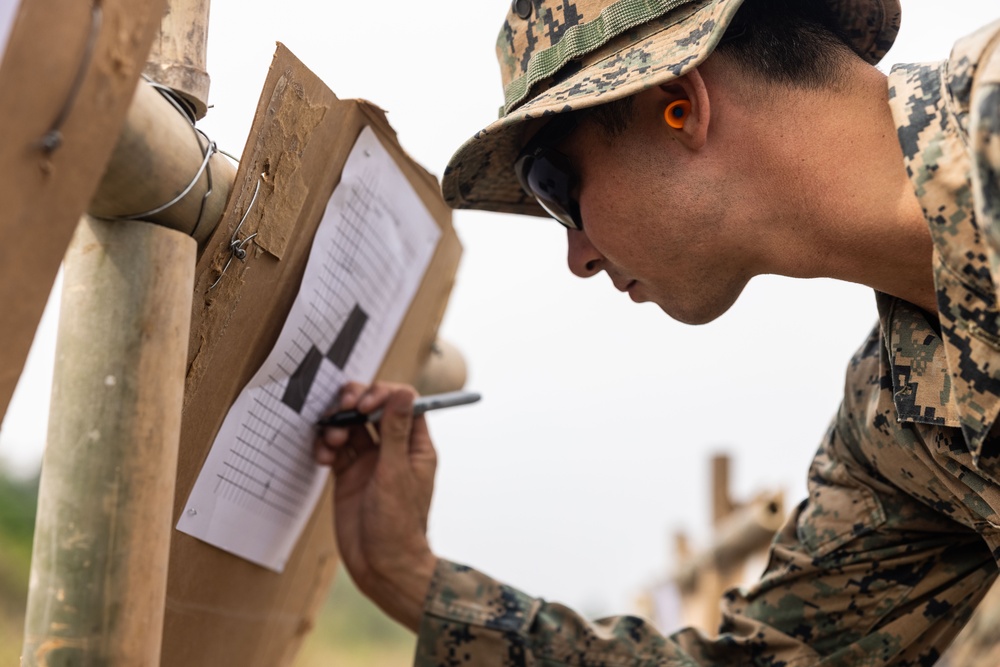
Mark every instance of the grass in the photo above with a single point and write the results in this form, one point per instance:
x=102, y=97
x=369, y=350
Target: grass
x=17, y=522
x=351, y=632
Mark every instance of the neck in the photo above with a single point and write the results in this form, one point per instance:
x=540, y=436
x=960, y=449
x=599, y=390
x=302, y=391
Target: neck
x=847, y=209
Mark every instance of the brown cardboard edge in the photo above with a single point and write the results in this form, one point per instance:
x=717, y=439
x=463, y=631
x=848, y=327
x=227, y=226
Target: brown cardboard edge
x=267, y=616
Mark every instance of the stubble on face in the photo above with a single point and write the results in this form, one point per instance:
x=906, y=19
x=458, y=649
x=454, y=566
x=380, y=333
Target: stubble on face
x=655, y=215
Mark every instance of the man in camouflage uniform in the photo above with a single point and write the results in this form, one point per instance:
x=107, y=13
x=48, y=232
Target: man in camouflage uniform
x=681, y=174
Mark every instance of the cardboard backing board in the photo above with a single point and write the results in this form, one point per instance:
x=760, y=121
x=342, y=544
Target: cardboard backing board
x=222, y=610
x=45, y=193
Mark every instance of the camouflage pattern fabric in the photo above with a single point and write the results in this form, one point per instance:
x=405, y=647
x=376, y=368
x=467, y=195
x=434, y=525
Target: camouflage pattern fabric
x=566, y=55
x=899, y=538
x=933, y=131
x=984, y=128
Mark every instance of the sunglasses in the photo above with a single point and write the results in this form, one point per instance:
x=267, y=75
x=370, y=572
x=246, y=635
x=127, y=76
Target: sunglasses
x=547, y=175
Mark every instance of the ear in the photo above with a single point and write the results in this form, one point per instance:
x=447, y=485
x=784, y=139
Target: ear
x=690, y=87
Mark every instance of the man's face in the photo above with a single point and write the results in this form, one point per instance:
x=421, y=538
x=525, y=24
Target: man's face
x=658, y=218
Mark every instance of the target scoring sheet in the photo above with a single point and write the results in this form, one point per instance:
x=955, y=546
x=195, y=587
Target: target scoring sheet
x=259, y=484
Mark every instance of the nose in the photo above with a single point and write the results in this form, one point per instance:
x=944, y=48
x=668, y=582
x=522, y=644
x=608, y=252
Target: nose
x=583, y=258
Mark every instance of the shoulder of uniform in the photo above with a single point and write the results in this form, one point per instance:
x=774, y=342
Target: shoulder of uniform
x=966, y=57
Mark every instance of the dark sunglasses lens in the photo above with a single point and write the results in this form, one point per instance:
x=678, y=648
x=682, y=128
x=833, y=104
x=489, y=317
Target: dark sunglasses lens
x=552, y=185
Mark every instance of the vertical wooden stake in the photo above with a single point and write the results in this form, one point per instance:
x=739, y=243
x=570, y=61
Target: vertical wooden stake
x=722, y=504
x=177, y=59
x=99, y=565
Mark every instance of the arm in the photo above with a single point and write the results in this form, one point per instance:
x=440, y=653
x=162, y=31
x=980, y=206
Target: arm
x=471, y=619
x=861, y=574
x=383, y=482
x=383, y=486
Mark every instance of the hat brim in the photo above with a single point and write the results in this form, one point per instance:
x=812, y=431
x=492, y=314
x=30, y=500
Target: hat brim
x=481, y=173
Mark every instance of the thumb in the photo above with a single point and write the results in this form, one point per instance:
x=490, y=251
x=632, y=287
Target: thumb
x=395, y=426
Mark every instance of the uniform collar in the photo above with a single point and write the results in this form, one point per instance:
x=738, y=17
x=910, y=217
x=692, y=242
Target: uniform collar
x=962, y=361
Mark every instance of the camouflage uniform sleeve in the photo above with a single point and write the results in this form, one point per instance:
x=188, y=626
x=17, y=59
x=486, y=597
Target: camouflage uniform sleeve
x=472, y=619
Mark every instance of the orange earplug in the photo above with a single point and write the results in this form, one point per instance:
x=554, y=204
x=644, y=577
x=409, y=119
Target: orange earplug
x=676, y=113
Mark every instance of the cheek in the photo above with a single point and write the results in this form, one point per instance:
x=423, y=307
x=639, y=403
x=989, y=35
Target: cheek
x=605, y=217
x=622, y=204
x=622, y=224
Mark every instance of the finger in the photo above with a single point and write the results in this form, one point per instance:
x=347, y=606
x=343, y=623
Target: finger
x=396, y=425
x=349, y=394
x=350, y=457
x=359, y=437
x=322, y=454
x=347, y=457
x=335, y=437
x=374, y=397
x=327, y=441
x=346, y=399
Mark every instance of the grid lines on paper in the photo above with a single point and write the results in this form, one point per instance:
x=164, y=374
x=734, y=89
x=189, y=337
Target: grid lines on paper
x=269, y=469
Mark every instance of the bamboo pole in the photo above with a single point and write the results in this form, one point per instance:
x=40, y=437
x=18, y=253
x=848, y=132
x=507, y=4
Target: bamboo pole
x=177, y=59
x=99, y=563
x=444, y=370
x=156, y=157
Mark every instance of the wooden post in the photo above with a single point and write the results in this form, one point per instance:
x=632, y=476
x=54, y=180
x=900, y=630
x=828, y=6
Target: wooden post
x=722, y=504
x=747, y=530
x=740, y=532
x=177, y=59
x=99, y=564
x=444, y=370
x=44, y=193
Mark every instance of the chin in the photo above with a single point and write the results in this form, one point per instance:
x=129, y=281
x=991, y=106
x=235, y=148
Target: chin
x=699, y=311
x=689, y=318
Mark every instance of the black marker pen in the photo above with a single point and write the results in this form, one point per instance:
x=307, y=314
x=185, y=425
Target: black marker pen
x=421, y=405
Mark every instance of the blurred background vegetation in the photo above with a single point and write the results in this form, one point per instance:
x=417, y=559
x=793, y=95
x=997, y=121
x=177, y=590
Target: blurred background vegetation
x=349, y=632
x=17, y=522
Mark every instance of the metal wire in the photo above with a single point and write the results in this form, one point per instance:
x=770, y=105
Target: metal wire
x=204, y=201
x=53, y=139
x=237, y=246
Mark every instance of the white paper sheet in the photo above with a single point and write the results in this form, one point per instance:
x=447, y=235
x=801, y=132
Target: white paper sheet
x=8, y=12
x=259, y=485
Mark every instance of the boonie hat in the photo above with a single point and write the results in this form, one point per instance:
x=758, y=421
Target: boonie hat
x=564, y=55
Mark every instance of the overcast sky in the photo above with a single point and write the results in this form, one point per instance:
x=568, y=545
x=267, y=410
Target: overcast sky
x=599, y=418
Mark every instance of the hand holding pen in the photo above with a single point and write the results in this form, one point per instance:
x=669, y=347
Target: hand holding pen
x=384, y=480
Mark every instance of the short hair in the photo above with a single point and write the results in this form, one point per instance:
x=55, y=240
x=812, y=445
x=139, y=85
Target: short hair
x=796, y=43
